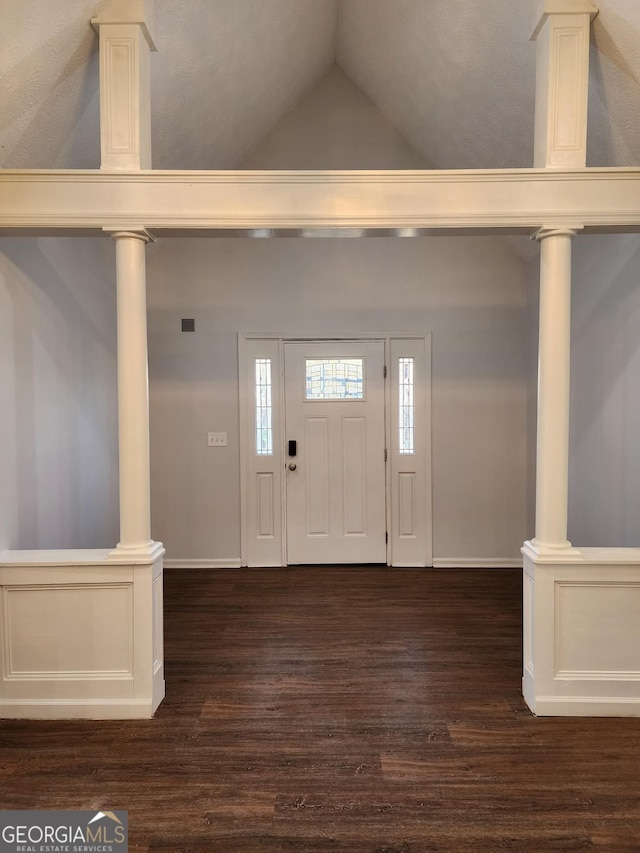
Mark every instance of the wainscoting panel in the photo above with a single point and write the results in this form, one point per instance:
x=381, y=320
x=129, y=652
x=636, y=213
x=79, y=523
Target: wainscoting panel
x=582, y=632
x=81, y=635
x=47, y=631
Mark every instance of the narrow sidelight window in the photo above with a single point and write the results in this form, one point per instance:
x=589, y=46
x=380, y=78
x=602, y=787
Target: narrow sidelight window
x=405, y=406
x=264, y=421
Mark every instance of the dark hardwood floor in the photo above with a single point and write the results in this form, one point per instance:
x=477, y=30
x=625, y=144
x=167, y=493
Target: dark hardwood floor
x=340, y=710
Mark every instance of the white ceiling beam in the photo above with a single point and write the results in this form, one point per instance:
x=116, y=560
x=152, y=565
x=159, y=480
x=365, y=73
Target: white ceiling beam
x=519, y=200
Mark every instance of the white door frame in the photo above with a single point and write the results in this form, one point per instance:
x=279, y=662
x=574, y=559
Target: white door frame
x=408, y=477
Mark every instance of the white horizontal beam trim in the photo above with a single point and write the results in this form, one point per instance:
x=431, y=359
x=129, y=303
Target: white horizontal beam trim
x=45, y=201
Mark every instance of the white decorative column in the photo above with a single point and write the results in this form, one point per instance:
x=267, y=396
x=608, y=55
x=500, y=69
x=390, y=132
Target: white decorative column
x=562, y=79
x=581, y=606
x=554, y=358
x=133, y=400
x=561, y=31
x=126, y=29
x=126, y=37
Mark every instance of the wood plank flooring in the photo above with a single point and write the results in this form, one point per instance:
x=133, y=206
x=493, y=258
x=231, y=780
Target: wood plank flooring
x=340, y=710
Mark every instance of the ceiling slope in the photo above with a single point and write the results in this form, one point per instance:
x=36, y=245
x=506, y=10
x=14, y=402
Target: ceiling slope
x=614, y=85
x=224, y=74
x=334, y=126
x=456, y=77
x=229, y=70
x=49, y=106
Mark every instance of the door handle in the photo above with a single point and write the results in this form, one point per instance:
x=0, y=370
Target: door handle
x=292, y=466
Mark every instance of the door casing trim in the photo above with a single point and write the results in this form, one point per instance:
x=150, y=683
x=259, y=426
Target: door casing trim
x=271, y=550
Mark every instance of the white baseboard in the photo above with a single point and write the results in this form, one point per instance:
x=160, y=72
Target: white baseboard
x=588, y=706
x=134, y=709
x=578, y=706
x=438, y=563
x=211, y=563
x=476, y=562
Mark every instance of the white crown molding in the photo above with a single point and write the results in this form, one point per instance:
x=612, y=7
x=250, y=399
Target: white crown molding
x=127, y=12
x=544, y=8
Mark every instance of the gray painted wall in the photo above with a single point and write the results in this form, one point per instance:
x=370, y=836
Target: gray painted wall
x=470, y=293
x=604, y=474
x=58, y=429
x=335, y=126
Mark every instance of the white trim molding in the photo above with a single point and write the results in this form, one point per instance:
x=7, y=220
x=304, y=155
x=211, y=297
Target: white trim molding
x=264, y=204
x=203, y=563
x=264, y=544
x=477, y=562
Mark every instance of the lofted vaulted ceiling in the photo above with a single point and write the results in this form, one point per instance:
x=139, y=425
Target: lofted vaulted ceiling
x=456, y=77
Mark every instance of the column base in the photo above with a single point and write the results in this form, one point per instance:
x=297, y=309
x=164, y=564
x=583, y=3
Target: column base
x=148, y=552
x=551, y=551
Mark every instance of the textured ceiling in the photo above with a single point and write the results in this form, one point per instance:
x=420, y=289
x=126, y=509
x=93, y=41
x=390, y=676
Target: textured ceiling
x=460, y=86
x=456, y=77
x=228, y=71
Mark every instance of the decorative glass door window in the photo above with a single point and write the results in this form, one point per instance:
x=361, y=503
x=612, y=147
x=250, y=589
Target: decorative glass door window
x=406, y=409
x=264, y=410
x=334, y=379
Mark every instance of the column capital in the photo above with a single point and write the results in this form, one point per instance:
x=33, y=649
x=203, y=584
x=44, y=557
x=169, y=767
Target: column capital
x=545, y=8
x=127, y=12
x=134, y=233
x=555, y=231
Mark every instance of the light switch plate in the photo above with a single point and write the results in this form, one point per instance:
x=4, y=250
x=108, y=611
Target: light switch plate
x=217, y=439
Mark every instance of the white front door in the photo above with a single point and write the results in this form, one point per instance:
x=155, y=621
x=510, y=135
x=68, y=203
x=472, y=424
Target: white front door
x=335, y=488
